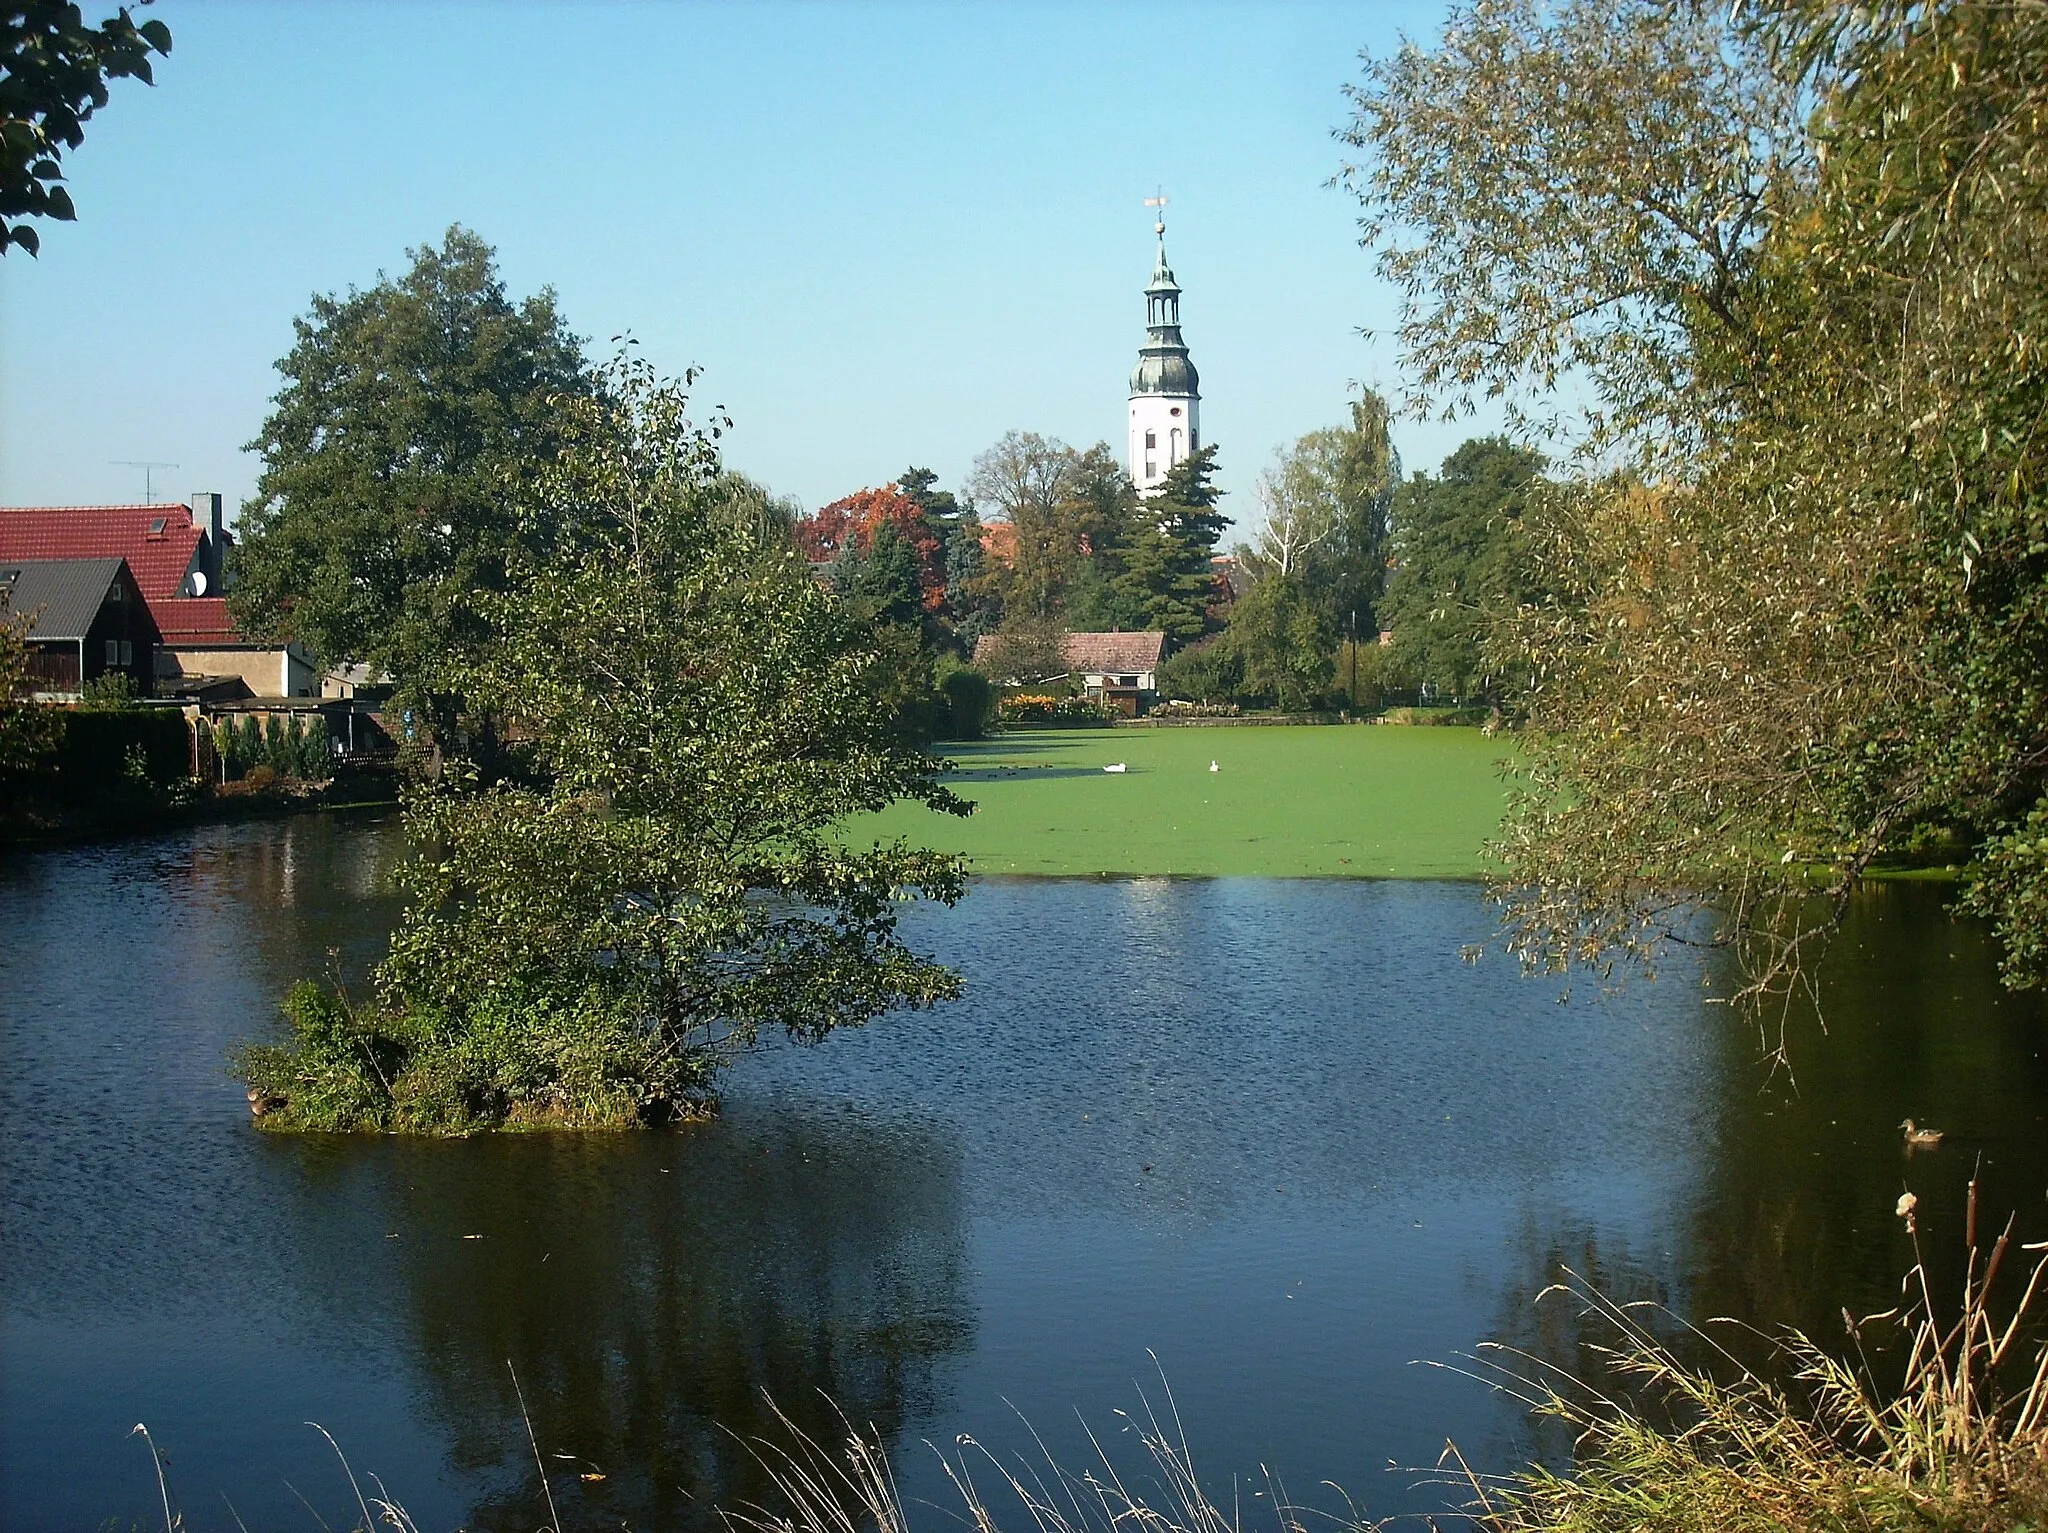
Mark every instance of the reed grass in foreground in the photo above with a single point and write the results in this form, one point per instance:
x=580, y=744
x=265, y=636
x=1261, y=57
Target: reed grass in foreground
x=1676, y=1449
x=1960, y=1446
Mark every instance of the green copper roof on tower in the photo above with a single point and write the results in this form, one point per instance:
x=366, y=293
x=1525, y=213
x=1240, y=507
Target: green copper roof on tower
x=1163, y=365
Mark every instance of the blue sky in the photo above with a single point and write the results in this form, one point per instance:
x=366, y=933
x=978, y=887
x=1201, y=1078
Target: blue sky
x=888, y=233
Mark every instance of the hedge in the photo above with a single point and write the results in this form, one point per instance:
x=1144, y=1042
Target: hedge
x=93, y=749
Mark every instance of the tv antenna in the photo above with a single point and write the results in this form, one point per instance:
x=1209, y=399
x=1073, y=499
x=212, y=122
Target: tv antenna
x=1159, y=201
x=149, y=466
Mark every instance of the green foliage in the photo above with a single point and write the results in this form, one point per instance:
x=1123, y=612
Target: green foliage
x=28, y=730
x=413, y=419
x=1326, y=504
x=970, y=701
x=883, y=583
x=1313, y=570
x=1800, y=266
x=278, y=754
x=1460, y=564
x=1209, y=672
x=57, y=69
x=1165, y=572
x=312, y=764
x=1026, y=480
x=1566, y=189
x=248, y=752
x=117, y=754
x=1284, y=638
x=1372, y=675
x=108, y=691
x=589, y=942
x=1093, y=603
x=1028, y=648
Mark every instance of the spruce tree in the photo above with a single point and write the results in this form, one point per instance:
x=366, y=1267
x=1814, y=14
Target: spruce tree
x=1166, y=573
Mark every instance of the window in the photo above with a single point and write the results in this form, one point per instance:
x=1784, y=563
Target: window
x=1151, y=469
x=1175, y=455
x=156, y=526
x=113, y=652
x=1151, y=440
x=127, y=652
x=1175, y=412
x=1127, y=681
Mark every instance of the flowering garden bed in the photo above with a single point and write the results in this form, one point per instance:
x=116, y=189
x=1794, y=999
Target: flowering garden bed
x=1042, y=710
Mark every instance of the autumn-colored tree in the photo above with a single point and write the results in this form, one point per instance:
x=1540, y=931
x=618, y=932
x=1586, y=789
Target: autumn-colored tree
x=848, y=526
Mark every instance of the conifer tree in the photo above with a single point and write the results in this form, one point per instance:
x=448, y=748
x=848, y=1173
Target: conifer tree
x=1166, y=574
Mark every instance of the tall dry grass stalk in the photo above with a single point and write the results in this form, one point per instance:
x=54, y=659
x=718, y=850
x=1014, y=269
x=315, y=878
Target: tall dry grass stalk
x=1671, y=1446
x=851, y=1488
x=1961, y=1443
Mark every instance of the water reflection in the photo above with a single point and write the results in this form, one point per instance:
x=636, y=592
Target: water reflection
x=650, y=1291
x=1795, y=1219
x=1276, y=1133
x=1791, y=1218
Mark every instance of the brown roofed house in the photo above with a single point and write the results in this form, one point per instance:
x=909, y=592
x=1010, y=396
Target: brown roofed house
x=1120, y=669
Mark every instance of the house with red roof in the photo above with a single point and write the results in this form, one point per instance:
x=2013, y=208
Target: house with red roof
x=1120, y=669
x=177, y=554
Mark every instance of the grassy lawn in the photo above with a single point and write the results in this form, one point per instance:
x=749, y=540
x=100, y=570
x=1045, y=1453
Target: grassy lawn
x=1333, y=801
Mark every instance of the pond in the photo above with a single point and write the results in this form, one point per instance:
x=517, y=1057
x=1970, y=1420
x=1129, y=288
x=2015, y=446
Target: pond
x=1268, y=1140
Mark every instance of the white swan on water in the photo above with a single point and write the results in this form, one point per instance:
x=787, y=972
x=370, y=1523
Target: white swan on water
x=1119, y=767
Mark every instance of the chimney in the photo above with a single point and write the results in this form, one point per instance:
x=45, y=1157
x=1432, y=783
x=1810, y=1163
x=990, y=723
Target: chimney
x=206, y=513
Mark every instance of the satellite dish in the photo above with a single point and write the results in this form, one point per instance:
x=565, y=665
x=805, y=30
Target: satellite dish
x=199, y=582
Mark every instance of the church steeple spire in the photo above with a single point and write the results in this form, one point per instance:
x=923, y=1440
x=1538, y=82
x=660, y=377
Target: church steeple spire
x=1165, y=390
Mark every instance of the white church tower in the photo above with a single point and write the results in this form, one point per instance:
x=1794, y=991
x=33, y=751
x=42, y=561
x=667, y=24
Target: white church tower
x=1166, y=396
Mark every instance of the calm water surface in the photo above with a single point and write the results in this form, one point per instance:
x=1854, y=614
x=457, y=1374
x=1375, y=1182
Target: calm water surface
x=1274, y=1135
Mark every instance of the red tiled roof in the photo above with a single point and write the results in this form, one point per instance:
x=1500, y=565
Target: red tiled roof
x=159, y=560
x=1097, y=653
x=195, y=621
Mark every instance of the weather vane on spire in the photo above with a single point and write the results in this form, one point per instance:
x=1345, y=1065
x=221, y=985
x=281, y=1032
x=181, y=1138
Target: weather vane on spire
x=1159, y=202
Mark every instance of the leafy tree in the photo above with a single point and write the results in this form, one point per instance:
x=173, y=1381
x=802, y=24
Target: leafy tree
x=1166, y=574
x=942, y=510
x=414, y=418
x=970, y=701
x=1793, y=262
x=1027, y=648
x=28, y=729
x=591, y=945
x=1027, y=480
x=1355, y=469
x=849, y=531
x=1285, y=639
x=1646, y=141
x=1103, y=514
x=1209, y=672
x=109, y=692
x=1459, y=563
x=57, y=69
x=973, y=587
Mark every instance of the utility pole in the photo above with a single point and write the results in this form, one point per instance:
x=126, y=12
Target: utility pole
x=1354, y=659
